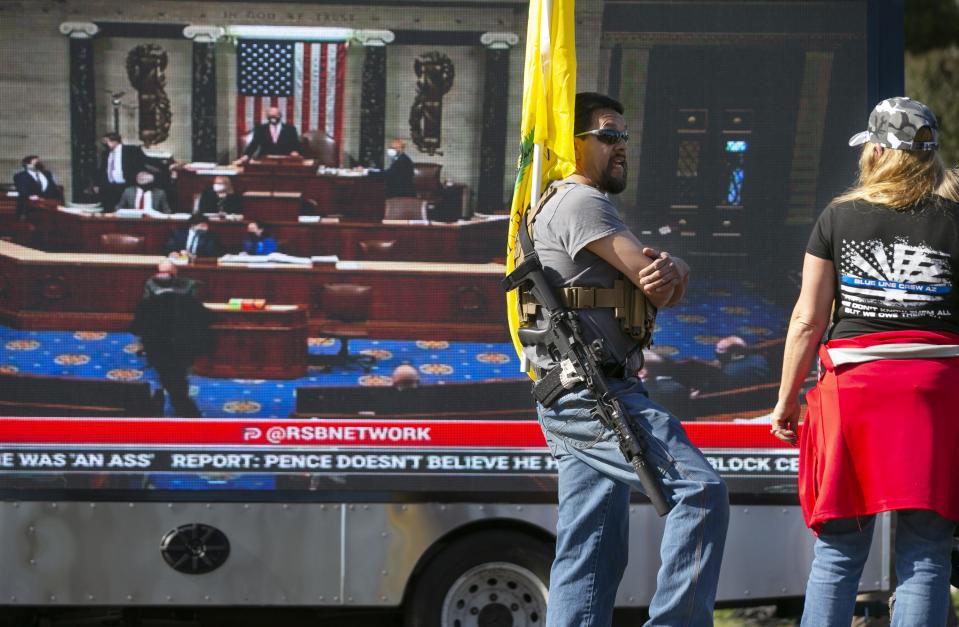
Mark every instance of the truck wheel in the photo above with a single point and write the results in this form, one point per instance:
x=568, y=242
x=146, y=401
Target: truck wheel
x=488, y=579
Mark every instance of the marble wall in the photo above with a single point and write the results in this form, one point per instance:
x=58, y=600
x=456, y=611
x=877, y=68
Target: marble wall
x=110, y=58
x=462, y=110
x=34, y=88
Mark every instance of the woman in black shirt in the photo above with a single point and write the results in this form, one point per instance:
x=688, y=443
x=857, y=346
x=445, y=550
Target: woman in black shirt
x=880, y=433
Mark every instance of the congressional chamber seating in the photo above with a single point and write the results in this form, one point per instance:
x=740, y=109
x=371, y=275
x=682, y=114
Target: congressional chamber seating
x=479, y=400
x=426, y=181
x=310, y=208
x=320, y=147
x=405, y=208
x=122, y=244
x=346, y=308
x=747, y=401
x=446, y=203
x=377, y=249
x=452, y=205
x=38, y=395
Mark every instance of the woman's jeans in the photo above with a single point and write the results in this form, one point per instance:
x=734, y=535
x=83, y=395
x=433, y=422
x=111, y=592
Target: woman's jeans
x=923, y=547
x=593, y=527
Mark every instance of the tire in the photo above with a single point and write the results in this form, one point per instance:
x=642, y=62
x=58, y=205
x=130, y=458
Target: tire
x=487, y=579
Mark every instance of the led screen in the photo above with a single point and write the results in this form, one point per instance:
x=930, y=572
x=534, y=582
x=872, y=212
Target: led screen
x=360, y=340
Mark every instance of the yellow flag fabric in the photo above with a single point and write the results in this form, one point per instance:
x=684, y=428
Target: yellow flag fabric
x=549, y=97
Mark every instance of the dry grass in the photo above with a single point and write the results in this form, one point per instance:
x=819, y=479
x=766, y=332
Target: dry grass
x=764, y=616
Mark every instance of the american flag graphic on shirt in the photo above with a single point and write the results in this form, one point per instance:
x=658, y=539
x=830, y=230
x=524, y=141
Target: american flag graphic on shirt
x=304, y=79
x=889, y=278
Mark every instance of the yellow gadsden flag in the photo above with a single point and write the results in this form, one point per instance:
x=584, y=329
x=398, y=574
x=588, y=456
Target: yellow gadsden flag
x=549, y=96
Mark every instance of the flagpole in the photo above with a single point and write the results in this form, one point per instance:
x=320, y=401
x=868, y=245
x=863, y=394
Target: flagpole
x=536, y=179
x=545, y=56
x=549, y=86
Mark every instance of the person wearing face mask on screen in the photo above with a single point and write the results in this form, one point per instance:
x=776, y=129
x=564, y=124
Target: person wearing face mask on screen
x=219, y=197
x=399, y=175
x=273, y=138
x=34, y=182
x=144, y=195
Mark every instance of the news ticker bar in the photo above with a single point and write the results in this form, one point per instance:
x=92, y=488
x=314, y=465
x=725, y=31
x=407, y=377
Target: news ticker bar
x=777, y=463
x=415, y=434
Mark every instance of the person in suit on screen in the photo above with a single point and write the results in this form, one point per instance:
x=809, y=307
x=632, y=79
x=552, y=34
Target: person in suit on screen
x=144, y=195
x=33, y=182
x=272, y=138
x=196, y=240
x=118, y=169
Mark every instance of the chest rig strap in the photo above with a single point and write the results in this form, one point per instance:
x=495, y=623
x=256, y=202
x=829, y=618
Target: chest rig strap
x=636, y=315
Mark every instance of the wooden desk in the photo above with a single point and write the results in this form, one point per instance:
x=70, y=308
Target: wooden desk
x=8, y=205
x=272, y=207
x=262, y=344
x=8, y=215
x=410, y=300
x=474, y=241
x=275, y=164
x=358, y=198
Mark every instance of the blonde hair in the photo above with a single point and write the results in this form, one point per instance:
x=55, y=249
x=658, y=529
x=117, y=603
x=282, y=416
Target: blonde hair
x=896, y=178
x=949, y=188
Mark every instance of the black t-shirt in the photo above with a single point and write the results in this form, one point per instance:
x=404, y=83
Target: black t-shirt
x=894, y=269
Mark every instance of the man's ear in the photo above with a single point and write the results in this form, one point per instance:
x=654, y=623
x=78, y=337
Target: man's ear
x=578, y=147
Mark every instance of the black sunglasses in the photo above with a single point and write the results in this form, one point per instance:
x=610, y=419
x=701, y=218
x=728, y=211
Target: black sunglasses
x=608, y=136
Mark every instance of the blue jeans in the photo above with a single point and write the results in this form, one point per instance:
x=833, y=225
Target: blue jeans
x=923, y=547
x=593, y=527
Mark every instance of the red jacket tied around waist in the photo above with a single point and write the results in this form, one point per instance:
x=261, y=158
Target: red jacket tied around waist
x=881, y=430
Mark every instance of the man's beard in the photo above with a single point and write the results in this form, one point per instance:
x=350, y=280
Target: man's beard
x=613, y=184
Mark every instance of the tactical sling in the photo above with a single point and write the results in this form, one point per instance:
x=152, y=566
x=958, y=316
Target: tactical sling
x=636, y=315
x=579, y=363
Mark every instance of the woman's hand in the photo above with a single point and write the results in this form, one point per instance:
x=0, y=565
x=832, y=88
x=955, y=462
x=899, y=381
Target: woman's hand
x=785, y=421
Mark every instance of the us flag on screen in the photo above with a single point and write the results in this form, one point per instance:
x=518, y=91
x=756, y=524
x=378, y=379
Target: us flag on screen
x=304, y=79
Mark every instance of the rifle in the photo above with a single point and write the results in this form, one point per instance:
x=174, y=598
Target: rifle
x=579, y=361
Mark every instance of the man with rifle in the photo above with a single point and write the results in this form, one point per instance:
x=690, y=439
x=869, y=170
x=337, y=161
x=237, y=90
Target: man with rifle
x=589, y=290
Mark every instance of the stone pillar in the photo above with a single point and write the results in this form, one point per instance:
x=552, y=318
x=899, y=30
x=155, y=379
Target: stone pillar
x=495, y=103
x=203, y=96
x=589, y=34
x=83, y=132
x=373, y=96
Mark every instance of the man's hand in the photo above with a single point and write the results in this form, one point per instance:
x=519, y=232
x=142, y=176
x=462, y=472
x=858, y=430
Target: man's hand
x=661, y=276
x=664, y=274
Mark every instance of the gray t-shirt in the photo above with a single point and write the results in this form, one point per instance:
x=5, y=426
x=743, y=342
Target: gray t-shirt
x=575, y=216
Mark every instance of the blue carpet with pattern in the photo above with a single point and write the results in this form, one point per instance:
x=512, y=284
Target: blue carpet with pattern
x=709, y=313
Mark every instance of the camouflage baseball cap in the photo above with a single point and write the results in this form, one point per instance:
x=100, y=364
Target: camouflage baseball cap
x=894, y=124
